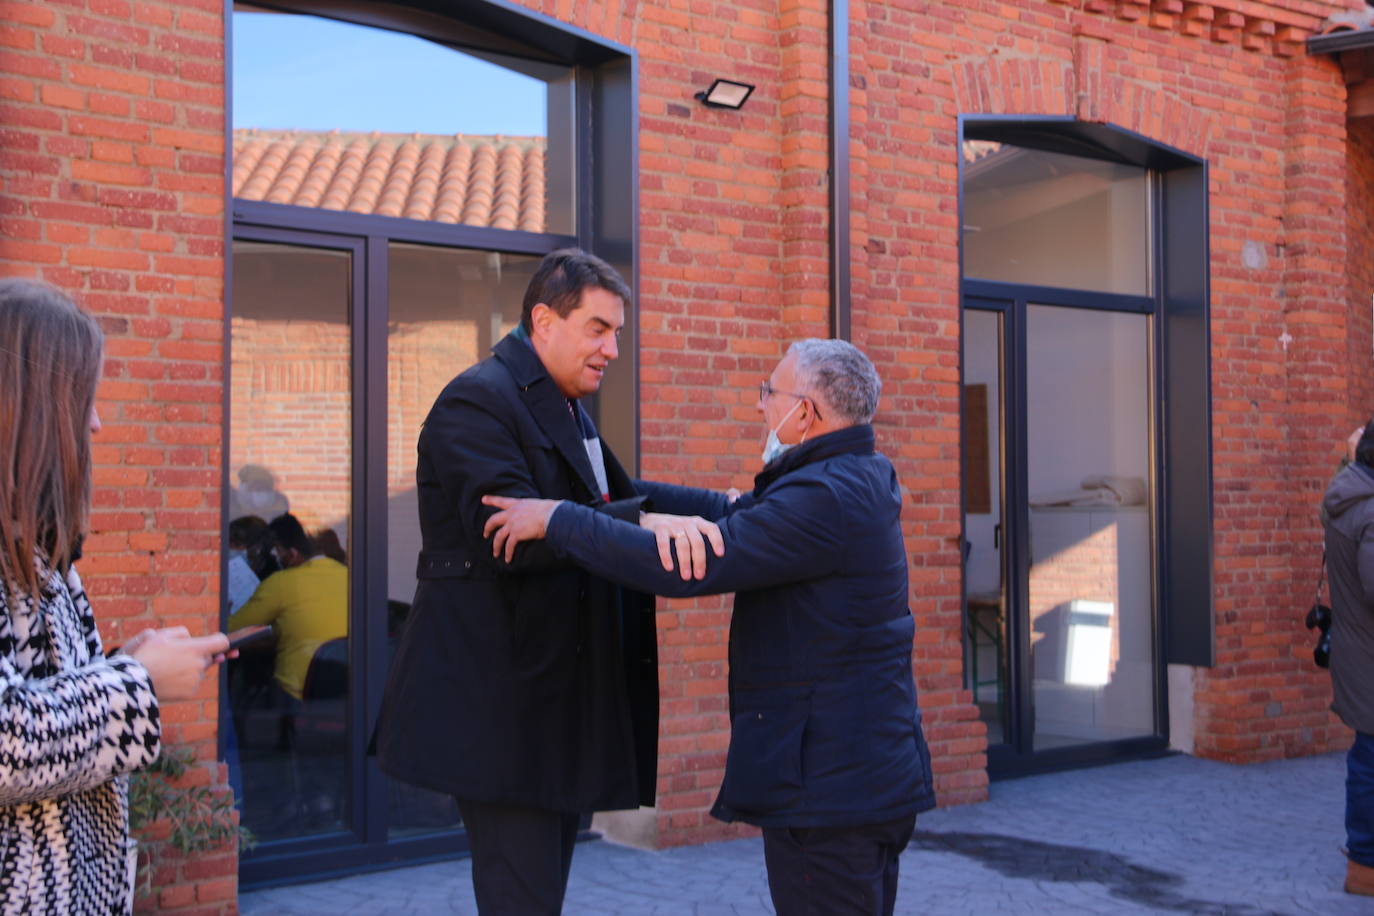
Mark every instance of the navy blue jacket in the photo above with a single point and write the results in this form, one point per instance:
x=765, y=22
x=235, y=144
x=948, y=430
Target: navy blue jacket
x=825, y=730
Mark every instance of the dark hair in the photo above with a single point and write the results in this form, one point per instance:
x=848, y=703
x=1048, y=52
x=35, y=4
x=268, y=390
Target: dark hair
x=49, y=366
x=246, y=530
x=561, y=277
x=328, y=544
x=251, y=534
x=1364, y=452
x=290, y=535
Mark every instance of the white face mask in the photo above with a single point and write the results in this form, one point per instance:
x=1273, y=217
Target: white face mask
x=774, y=446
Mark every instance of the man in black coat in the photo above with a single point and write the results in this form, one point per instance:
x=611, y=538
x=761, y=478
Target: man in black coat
x=525, y=687
x=826, y=752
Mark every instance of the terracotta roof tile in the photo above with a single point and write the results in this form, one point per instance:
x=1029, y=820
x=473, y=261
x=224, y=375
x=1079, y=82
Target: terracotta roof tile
x=1347, y=21
x=480, y=181
x=979, y=149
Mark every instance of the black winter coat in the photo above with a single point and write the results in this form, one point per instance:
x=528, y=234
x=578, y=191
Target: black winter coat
x=825, y=730
x=533, y=683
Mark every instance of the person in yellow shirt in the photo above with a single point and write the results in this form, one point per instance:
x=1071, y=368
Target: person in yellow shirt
x=306, y=603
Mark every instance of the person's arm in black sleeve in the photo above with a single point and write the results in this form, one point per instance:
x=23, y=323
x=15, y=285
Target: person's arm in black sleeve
x=473, y=451
x=677, y=500
x=789, y=536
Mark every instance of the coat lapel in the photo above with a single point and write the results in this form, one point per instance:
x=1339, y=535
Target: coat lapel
x=548, y=406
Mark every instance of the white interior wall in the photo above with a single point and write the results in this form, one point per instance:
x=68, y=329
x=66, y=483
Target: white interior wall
x=1087, y=396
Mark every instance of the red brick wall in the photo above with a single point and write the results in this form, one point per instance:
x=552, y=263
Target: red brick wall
x=1279, y=407
x=726, y=216
x=111, y=187
x=1360, y=267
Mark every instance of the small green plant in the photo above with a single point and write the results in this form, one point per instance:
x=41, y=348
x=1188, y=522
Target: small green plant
x=199, y=818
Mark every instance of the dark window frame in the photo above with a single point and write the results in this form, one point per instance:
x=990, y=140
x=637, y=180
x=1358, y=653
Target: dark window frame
x=1181, y=344
x=605, y=197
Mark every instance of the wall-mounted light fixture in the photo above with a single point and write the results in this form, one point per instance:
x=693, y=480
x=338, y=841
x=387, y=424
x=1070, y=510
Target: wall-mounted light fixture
x=725, y=94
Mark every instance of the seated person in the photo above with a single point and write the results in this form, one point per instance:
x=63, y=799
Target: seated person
x=245, y=535
x=306, y=603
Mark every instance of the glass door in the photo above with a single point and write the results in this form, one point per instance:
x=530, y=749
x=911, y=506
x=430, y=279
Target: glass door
x=1090, y=607
x=318, y=442
x=1061, y=639
x=986, y=639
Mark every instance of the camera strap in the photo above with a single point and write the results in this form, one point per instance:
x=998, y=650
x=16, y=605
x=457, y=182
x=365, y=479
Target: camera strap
x=1321, y=579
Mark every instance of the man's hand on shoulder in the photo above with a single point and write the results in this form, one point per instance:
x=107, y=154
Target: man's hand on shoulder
x=518, y=520
x=688, y=534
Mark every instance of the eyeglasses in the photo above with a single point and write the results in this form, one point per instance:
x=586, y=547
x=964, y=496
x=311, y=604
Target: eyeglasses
x=766, y=390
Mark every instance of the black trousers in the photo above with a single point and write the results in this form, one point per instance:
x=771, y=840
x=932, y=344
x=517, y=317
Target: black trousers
x=835, y=871
x=520, y=857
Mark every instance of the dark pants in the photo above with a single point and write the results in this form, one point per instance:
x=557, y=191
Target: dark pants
x=520, y=857
x=1359, y=800
x=833, y=871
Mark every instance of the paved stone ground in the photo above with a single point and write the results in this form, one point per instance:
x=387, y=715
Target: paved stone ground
x=1175, y=835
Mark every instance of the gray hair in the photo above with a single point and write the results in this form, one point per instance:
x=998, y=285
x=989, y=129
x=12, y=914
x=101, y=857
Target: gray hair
x=839, y=372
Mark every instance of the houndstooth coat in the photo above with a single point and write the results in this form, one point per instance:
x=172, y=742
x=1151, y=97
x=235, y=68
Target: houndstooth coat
x=72, y=723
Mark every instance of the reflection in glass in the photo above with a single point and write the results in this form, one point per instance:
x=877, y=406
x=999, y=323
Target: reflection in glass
x=1051, y=219
x=341, y=116
x=448, y=308
x=1091, y=596
x=985, y=623
x=290, y=418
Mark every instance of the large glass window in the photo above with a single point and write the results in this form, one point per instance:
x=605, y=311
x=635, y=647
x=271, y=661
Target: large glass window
x=397, y=177
x=348, y=117
x=1051, y=219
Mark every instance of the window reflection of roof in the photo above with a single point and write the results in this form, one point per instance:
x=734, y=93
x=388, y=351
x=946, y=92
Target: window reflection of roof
x=494, y=181
x=994, y=159
x=975, y=150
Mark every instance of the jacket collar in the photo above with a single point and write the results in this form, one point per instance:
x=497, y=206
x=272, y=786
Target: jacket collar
x=517, y=354
x=852, y=440
x=547, y=405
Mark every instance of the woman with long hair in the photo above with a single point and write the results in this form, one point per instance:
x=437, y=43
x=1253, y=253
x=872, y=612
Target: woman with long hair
x=73, y=722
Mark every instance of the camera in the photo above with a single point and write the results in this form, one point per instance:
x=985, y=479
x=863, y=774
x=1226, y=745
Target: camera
x=1319, y=618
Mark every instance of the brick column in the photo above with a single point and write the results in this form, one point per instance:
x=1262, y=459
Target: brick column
x=112, y=164
x=1281, y=383
x=804, y=200
x=715, y=281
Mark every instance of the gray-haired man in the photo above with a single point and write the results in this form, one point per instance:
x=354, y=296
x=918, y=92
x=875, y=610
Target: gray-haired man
x=826, y=749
